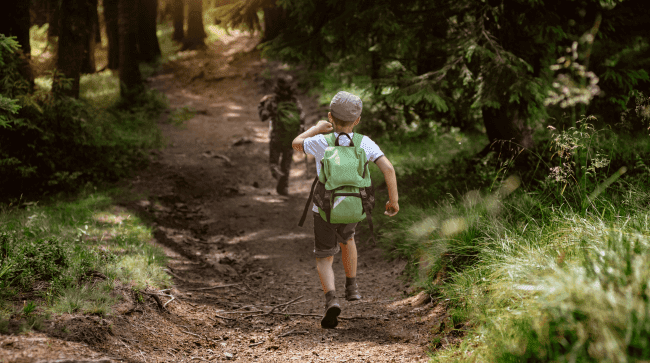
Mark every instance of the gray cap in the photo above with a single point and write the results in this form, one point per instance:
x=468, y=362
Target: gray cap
x=346, y=106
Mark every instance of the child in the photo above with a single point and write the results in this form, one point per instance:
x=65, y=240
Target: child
x=344, y=115
x=287, y=118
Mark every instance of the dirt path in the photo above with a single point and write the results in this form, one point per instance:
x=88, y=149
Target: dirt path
x=213, y=201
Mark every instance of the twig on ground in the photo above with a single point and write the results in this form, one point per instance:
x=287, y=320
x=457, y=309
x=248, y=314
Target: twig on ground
x=244, y=291
x=169, y=271
x=284, y=304
x=247, y=286
x=293, y=332
x=314, y=315
x=127, y=347
x=196, y=335
x=157, y=299
x=214, y=287
x=256, y=344
x=241, y=312
x=145, y=359
x=299, y=302
x=170, y=300
x=221, y=317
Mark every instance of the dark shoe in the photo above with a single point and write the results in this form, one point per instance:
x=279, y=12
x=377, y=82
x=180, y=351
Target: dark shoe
x=283, y=186
x=276, y=172
x=332, y=311
x=351, y=291
x=282, y=190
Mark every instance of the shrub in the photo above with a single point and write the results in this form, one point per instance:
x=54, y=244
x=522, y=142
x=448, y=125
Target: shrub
x=50, y=143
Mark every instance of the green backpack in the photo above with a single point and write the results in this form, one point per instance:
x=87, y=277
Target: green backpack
x=343, y=191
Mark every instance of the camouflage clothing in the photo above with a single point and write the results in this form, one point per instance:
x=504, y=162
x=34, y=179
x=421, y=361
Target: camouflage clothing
x=281, y=132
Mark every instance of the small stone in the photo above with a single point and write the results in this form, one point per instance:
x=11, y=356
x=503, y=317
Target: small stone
x=229, y=355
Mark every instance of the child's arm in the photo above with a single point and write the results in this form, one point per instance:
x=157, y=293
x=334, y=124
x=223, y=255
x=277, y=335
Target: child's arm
x=392, y=207
x=322, y=127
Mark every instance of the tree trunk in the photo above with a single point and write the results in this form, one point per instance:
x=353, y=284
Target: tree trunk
x=507, y=130
x=148, y=40
x=274, y=19
x=55, y=20
x=75, y=35
x=15, y=21
x=93, y=21
x=195, y=31
x=130, y=79
x=178, y=16
x=95, y=15
x=112, y=33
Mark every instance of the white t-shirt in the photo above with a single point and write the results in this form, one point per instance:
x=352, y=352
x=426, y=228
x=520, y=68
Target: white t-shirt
x=316, y=146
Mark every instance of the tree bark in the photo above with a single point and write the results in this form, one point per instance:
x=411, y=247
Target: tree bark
x=274, y=19
x=195, y=38
x=148, y=40
x=130, y=79
x=15, y=21
x=178, y=16
x=55, y=20
x=507, y=130
x=95, y=15
x=112, y=33
x=93, y=22
x=75, y=35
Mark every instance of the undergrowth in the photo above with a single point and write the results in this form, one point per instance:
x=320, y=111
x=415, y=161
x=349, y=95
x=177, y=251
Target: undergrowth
x=74, y=253
x=531, y=267
x=67, y=253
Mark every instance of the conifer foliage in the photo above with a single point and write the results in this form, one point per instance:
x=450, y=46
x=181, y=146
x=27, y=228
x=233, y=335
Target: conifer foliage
x=466, y=63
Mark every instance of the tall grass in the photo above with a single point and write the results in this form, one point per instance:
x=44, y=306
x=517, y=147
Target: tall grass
x=77, y=239
x=527, y=271
x=70, y=251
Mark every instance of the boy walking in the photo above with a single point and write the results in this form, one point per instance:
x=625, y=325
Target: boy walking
x=344, y=115
x=286, y=118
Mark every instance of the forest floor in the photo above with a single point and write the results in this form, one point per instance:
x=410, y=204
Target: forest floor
x=245, y=284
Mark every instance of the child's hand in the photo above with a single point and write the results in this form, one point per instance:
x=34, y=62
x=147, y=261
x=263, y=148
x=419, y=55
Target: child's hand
x=324, y=127
x=391, y=208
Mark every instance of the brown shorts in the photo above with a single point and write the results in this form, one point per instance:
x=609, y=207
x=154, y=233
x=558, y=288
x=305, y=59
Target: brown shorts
x=326, y=240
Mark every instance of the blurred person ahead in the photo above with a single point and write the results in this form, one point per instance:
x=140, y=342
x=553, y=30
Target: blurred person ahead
x=286, y=119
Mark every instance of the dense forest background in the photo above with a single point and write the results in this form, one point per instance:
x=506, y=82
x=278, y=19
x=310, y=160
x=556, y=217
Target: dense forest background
x=508, y=69
x=518, y=129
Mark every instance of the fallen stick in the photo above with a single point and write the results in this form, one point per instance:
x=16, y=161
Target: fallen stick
x=293, y=332
x=284, y=304
x=157, y=299
x=299, y=302
x=170, y=300
x=241, y=312
x=244, y=291
x=173, y=274
x=221, y=317
x=256, y=344
x=315, y=315
x=214, y=287
x=196, y=335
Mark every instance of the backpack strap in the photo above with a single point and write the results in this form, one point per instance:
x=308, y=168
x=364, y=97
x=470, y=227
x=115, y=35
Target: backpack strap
x=311, y=195
x=348, y=136
x=368, y=212
x=330, y=139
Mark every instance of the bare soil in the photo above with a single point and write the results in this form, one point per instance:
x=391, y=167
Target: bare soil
x=235, y=250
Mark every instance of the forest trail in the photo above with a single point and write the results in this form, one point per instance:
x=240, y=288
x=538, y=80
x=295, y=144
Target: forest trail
x=234, y=246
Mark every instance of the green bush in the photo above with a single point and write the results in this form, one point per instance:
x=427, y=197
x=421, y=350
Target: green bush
x=50, y=143
x=27, y=261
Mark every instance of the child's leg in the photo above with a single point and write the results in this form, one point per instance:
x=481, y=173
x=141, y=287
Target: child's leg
x=349, y=257
x=332, y=307
x=326, y=273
